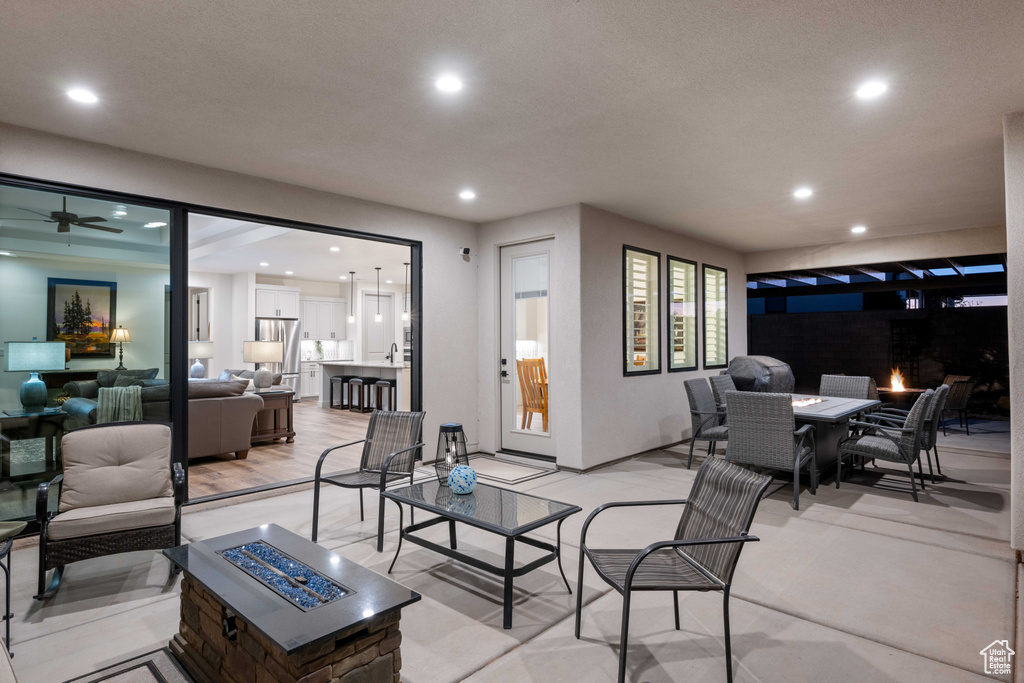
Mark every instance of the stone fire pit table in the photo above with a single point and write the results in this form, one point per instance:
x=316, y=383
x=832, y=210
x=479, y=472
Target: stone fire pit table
x=267, y=605
x=831, y=417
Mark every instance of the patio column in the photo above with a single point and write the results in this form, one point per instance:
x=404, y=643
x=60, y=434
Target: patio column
x=1013, y=160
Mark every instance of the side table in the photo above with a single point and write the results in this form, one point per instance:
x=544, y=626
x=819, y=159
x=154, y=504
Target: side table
x=275, y=421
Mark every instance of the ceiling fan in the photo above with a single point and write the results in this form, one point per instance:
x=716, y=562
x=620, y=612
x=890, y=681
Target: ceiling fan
x=65, y=220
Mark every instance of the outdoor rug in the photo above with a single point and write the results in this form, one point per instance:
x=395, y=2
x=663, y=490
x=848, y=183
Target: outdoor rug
x=155, y=667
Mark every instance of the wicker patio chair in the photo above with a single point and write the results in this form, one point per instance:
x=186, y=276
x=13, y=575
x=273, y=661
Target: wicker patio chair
x=720, y=384
x=390, y=451
x=930, y=432
x=119, y=493
x=960, y=389
x=875, y=441
x=702, y=556
x=706, y=420
x=844, y=386
x=763, y=433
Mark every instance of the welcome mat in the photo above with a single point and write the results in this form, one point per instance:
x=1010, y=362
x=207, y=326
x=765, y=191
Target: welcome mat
x=158, y=666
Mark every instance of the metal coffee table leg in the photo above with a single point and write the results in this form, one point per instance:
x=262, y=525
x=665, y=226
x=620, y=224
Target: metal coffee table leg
x=510, y=553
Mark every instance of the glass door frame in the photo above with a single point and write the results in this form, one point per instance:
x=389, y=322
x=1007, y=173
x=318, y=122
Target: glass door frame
x=178, y=269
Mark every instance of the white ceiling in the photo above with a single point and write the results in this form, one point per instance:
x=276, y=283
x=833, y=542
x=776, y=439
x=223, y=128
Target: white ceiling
x=699, y=116
x=221, y=245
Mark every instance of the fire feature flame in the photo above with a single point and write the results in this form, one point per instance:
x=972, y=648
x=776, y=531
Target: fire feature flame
x=896, y=380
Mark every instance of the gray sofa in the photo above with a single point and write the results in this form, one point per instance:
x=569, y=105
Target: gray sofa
x=220, y=414
x=90, y=388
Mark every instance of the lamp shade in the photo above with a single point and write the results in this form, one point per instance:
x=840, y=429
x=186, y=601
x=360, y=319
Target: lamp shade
x=33, y=356
x=262, y=351
x=120, y=336
x=200, y=349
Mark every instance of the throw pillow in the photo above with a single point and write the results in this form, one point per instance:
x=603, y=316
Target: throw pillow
x=251, y=387
x=127, y=381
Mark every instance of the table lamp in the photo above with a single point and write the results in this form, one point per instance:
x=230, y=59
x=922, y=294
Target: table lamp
x=262, y=352
x=33, y=357
x=199, y=350
x=121, y=337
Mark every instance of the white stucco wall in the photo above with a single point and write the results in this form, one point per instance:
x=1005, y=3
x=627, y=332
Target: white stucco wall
x=1013, y=159
x=627, y=415
x=563, y=225
x=449, y=284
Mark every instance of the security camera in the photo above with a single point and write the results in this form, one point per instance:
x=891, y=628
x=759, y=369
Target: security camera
x=464, y=251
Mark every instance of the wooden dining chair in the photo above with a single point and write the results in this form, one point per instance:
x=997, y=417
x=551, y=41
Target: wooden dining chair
x=533, y=383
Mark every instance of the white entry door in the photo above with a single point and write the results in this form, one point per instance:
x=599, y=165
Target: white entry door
x=524, y=365
x=378, y=336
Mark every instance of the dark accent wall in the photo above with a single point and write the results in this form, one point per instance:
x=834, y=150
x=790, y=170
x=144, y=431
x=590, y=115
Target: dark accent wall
x=958, y=341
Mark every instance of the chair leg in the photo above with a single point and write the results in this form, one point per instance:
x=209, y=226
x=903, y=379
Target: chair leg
x=675, y=604
x=728, y=637
x=624, y=636
x=579, y=595
x=316, y=509
x=938, y=466
x=796, y=485
x=362, y=516
x=839, y=468
x=913, y=484
x=522, y=424
x=380, y=525
x=689, y=460
x=8, y=615
x=930, y=472
x=712, y=445
x=920, y=471
x=967, y=423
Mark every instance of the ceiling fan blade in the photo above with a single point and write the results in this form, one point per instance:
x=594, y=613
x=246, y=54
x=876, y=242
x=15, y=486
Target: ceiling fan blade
x=90, y=219
x=97, y=227
x=26, y=220
x=35, y=212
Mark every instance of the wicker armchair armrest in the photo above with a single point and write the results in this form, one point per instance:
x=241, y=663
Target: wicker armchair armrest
x=887, y=421
x=387, y=464
x=643, y=554
x=320, y=461
x=884, y=432
x=43, y=499
x=623, y=504
x=178, y=482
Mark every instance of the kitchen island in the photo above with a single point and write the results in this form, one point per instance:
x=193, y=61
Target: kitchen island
x=383, y=369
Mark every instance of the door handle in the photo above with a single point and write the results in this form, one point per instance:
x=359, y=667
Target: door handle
x=504, y=374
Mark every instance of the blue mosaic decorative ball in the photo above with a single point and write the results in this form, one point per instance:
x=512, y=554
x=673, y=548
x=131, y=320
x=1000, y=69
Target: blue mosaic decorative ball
x=462, y=480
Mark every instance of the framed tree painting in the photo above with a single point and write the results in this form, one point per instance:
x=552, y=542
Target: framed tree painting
x=81, y=313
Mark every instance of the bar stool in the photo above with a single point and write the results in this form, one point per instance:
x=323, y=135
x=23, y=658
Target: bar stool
x=342, y=382
x=8, y=530
x=361, y=387
x=388, y=386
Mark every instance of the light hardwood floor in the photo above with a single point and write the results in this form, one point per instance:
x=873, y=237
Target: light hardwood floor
x=316, y=429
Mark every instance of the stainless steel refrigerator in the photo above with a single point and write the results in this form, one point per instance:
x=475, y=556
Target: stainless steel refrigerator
x=289, y=332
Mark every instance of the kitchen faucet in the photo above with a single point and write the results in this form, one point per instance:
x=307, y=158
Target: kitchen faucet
x=391, y=354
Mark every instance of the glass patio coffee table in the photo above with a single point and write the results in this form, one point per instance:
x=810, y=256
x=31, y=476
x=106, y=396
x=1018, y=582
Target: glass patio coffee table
x=500, y=511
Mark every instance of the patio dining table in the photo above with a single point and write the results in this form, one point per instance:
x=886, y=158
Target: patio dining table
x=831, y=417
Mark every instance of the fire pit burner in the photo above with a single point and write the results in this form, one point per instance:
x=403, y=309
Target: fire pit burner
x=298, y=583
x=804, y=402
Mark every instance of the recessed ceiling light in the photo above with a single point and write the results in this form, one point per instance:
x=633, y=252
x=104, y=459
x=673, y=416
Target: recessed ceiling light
x=858, y=229
x=264, y=264
x=335, y=248
x=871, y=90
x=448, y=83
x=82, y=95
x=154, y=224
x=467, y=195
x=343, y=277
x=120, y=212
x=288, y=272
x=389, y=282
x=803, y=192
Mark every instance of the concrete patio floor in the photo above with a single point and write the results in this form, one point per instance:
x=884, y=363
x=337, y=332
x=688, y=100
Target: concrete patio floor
x=861, y=584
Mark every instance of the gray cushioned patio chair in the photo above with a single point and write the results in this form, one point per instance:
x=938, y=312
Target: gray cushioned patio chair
x=702, y=556
x=720, y=384
x=119, y=493
x=845, y=386
x=390, y=451
x=763, y=433
x=888, y=442
x=930, y=432
x=706, y=420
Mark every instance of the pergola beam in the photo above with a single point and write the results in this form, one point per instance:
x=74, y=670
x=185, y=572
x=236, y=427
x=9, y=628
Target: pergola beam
x=955, y=266
x=910, y=268
x=832, y=275
x=870, y=272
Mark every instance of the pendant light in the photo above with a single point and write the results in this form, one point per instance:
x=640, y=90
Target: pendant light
x=351, y=296
x=378, y=318
x=405, y=294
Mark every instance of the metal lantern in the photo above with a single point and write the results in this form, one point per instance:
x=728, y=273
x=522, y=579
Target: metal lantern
x=451, y=451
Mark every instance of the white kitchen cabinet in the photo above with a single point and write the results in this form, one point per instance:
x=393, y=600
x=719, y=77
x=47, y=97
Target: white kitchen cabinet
x=308, y=319
x=323, y=318
x=338, y=331
x=276, y=302
x=310, y=380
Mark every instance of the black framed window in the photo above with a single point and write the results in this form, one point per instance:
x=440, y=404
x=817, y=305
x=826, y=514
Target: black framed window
x=640, y=315
x=716, y=317
x=682, y=314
